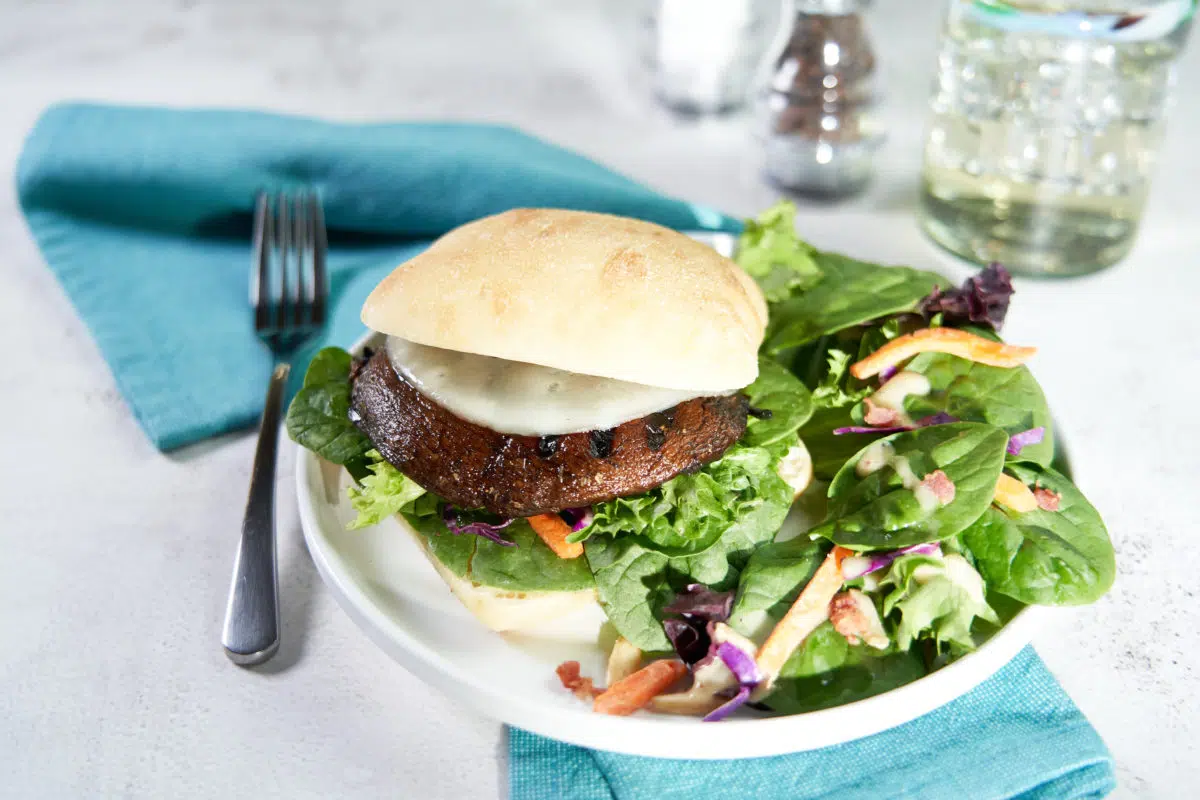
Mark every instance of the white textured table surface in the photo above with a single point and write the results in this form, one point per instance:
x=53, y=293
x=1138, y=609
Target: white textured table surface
x=114, y=559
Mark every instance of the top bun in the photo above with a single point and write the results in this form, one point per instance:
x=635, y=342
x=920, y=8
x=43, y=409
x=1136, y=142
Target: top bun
x=582, y=292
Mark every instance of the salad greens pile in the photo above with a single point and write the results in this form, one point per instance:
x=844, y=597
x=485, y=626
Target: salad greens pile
x=938, y=553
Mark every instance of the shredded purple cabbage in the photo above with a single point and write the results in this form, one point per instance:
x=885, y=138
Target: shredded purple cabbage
x=869, y=429
x=748, y=675
x=940, y=418
x=725, y=709
x=871, y=562
x=488, y=530
x=982, y=299
x=887, y=373
x=1024, y=439
x=700, y=602
x=577, y=518
x=740, y=663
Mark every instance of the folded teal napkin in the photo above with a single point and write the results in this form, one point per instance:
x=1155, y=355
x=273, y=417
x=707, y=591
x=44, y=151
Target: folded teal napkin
x=1017, y=735
x=143, y=214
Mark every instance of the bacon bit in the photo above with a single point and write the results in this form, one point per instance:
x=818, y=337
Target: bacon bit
x=878, y=416
x=940, y=485
x=854, y=616
x=1047, y=499
x=942, y=340
x=568, y=673
x=810, y=610
x=1013, y=494
x=636, y=691
x=554, y=530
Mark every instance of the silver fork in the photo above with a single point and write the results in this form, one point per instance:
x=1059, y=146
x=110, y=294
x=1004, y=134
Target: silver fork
x=288, y=290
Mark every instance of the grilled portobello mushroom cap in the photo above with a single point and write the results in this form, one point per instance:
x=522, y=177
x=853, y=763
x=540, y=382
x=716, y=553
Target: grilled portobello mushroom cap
x=472, y=466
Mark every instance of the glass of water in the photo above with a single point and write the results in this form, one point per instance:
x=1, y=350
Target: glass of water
x=1047, y=117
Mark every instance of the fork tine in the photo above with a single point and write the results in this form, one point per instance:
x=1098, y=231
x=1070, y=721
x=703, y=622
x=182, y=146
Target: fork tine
x=301, y=302
x=260, y=277
x=320, y=279
x=283, y=245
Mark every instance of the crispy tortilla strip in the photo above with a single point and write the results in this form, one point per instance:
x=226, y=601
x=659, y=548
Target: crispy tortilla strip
x=942, y=340
x=810, y=610
x=623, y=661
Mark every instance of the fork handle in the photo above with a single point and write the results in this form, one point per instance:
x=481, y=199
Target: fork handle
x=251, y=634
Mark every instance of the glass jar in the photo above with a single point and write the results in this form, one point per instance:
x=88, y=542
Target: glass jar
x=818, y=109
x=1046, y=120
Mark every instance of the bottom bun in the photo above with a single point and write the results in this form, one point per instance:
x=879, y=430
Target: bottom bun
x=504, y=609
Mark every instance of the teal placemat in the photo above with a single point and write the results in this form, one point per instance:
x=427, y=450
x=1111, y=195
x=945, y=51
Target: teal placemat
x=1017, y=735
x=143, y=214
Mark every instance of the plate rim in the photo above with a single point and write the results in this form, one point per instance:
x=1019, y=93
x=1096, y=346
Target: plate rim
x=643, y=734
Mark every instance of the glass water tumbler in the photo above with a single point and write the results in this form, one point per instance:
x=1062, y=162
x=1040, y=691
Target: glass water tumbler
x=1046, y=121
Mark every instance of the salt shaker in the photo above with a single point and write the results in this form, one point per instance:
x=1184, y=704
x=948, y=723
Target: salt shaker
x=818, y=109
x=703, y=54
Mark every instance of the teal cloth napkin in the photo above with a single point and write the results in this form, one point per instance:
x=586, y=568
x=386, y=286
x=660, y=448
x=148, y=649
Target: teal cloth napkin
x=1017, y=735
x=143, y=214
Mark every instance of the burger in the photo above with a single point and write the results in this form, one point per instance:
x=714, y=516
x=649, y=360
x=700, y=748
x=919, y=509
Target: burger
x=565, y=408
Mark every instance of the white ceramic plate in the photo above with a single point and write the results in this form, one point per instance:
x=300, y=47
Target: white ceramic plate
x=383, y=580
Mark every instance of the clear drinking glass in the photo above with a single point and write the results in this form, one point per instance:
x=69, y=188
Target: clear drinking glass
x=1046, y=121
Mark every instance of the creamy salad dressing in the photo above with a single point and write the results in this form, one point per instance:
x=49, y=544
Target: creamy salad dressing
x=901, y=385
x=881, y=454
x=525, y=399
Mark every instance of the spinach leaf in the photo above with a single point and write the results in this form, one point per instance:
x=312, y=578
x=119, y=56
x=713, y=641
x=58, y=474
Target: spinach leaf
x=531, y=566
x=771, y=582
x=780, y=392
x=1061, y=557
x=319, y=416
x=1009, y=398
x=827, y=671
x=878, y=512
x=631, y=582
x=851, y=293
x=829, y=451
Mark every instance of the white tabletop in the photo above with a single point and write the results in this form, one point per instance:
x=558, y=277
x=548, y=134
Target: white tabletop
x=114, y=558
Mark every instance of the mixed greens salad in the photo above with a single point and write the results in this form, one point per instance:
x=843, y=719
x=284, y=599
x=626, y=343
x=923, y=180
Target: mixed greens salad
x=937, y=508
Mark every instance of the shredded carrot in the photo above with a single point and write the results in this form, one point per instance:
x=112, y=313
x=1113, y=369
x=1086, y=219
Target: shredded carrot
x=942, y=340
x=636, y=691
x=810, y=610
x=553, y=530
x=568, y=673
x=1011, y=493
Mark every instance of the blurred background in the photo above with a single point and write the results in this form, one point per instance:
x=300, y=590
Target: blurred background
x=590, y=75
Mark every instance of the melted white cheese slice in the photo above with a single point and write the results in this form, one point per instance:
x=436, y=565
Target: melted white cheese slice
x=525, y=399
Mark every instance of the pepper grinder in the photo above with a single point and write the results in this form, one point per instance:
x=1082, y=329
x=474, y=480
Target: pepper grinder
x=818, y=108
